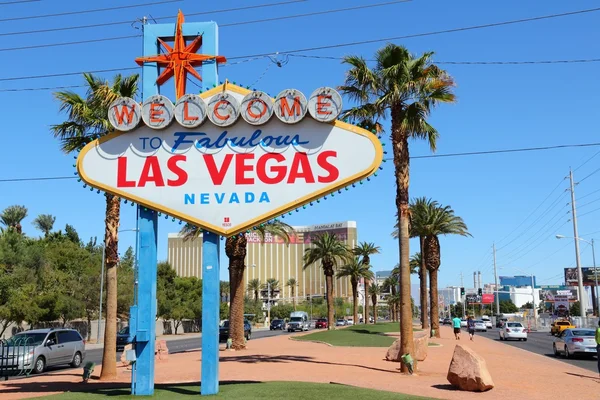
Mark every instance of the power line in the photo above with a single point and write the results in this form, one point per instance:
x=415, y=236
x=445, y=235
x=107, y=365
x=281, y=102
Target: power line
x=587, y=161
x=586, y=204
x=128, y=22
x=518, y=21
x=388, y=159
x=531, y=62
x=38, y=46
x=589, y=212
x=42, y=88
x=9, y=3
x=587, y=176
x=89, y=11
x=18, y=78
x=550, y=255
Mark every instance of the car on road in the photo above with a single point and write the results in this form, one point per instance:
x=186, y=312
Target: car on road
x=340, y=322
x=224, y=330
x=278, y=324
x=480, y=326
x=513, y=330
x=48, y=347
x=350, y=321
x=447, y=321
x=560, y=325
x=298, y=321
x=487, y=321
x=122, y=338
x=571, y=342
x=463, y=323
x=321, y=323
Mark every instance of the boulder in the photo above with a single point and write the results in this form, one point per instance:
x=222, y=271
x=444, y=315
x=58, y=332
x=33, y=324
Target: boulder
x=468, y=371
x=124, y=362
x=421, y=342
x=161, y=350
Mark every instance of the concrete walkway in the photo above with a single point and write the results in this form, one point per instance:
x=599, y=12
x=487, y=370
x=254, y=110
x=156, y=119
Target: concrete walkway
x=516, y=373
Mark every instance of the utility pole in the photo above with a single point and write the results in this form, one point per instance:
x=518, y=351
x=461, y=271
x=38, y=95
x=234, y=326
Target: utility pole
x=496, y=281
x=582, y=302
x=268, y=302
x=475, y=280
x=461, y=280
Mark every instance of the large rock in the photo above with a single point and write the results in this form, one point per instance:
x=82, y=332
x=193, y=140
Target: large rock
x=161, y=351
x=421, y=342
x=124, y=361
x=468, y=371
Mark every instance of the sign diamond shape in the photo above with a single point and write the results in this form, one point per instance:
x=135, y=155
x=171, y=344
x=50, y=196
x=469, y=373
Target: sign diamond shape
x=227, y=179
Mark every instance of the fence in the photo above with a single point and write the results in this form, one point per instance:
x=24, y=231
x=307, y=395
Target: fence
x=16, y=357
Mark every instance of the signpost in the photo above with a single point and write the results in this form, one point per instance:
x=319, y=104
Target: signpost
x=226, y=161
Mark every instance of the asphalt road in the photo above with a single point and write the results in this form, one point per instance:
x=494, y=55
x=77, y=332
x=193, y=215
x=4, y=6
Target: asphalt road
x=175, y=346
x=541, y=343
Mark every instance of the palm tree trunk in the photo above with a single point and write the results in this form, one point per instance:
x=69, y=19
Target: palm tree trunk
x=402, y=164
x=235, y=248
x=374, y=309
x=328, y=270
x=354, y=283
x=423, y=288
x=294, y=298
x=366, y=309
x=111, y=249
x=434, y=311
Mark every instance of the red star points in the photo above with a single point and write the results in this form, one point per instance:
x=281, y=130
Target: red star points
x=180, y=59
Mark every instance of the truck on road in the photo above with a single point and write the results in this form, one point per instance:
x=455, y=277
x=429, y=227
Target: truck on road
x=298, y=321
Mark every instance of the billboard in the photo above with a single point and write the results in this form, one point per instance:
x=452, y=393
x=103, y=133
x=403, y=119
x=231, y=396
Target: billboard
x=571, y=276
x=549, y=293
x=487, y=298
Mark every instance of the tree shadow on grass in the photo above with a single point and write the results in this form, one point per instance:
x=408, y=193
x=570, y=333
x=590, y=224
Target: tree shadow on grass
x=258, y=358
x=103, y=388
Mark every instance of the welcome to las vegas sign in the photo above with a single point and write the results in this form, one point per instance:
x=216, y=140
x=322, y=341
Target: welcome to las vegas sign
x=234, y=159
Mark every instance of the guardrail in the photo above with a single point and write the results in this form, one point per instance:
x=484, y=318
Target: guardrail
x=16, y=357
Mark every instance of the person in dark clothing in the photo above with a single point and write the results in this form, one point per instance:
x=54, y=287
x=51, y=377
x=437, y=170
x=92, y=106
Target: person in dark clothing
x=471, y=326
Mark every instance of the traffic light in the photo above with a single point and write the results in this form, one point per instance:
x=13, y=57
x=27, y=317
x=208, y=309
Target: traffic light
x=462, y=291
x=480, y=291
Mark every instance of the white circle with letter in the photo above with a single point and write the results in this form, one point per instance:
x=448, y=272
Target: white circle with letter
x=190, y=111
x=157, y=111
x=257, y=108
x=124, y=114
x=290, y=106
x=325, y=104
x=223, y=109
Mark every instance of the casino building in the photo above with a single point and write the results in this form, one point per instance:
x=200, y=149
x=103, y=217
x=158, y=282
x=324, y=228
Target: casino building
x=274, y=259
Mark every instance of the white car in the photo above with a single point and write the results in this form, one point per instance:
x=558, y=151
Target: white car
x=350, y=321
x=571, y=342
x=513, y=330
x=488, y=324
x=480, y=326
x=463, y=323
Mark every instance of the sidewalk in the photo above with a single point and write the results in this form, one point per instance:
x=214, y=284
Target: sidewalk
x=515, y=372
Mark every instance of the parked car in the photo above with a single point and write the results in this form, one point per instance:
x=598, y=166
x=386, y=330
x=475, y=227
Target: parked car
x=350, y=321
x=278, y=324
x=49, y=347
x=224, y=330
x=480, y=326
x=298, y=321
x=463, y=323
x=321, y=323
x=340, y=322
x=513, y=330
x=122, y=338
x=447, y=321
x=571, y=342
x=560, y=325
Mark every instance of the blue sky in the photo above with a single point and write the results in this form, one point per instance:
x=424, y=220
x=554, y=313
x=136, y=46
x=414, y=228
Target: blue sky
x=499, y=107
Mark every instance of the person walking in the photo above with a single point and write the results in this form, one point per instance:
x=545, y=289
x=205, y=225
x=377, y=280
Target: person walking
x=456, y=324
x=471, y=327
x=598, y=346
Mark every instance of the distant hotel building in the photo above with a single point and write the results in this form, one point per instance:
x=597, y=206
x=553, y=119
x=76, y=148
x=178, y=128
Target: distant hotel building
x=185, y=256
x=275, y=259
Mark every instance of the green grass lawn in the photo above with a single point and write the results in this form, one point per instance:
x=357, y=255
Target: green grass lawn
x=357, y=335
x=247, y=391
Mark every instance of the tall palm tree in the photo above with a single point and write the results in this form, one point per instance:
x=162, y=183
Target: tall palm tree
x=404, y=88
x=223, y=291
x=355, y=270
x=440, y=221
x=292, y=283
x=253, y=287
x=44, y=223
x=273, y=284
x=389, y=286
x=328, y=252
x=236, y=249
x=375, y=292
x=87, y=119
x=12, y=216
x=416, y=264
x=366, y=250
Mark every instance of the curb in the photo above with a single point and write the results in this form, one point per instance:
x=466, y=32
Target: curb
x=314, y=341
x=168, y=338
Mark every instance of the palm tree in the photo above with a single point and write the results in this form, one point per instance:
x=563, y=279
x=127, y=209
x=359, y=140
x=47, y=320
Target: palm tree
x=12, y=216
x=273, y=284
x=235, y=249
x=366, y=250
x=328, y=251
x=223, y=291
x=44, y=223
x=292, y=283
x=440, y=221
x=87, y=119
x=254, y=286
x=375, y=292
x=355, y=270
x=389, y=286
x=405, y=88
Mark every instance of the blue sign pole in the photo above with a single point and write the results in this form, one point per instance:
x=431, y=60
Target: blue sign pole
x=210, y=314
x=143, y=315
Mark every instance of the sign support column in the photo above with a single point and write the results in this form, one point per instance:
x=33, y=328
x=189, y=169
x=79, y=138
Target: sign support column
x=209, y=381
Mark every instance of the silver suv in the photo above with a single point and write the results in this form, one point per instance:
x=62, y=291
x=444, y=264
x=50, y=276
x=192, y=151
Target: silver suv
x=49, y=347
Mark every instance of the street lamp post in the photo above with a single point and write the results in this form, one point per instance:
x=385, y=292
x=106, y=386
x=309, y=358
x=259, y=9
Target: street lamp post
x=580, y=275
